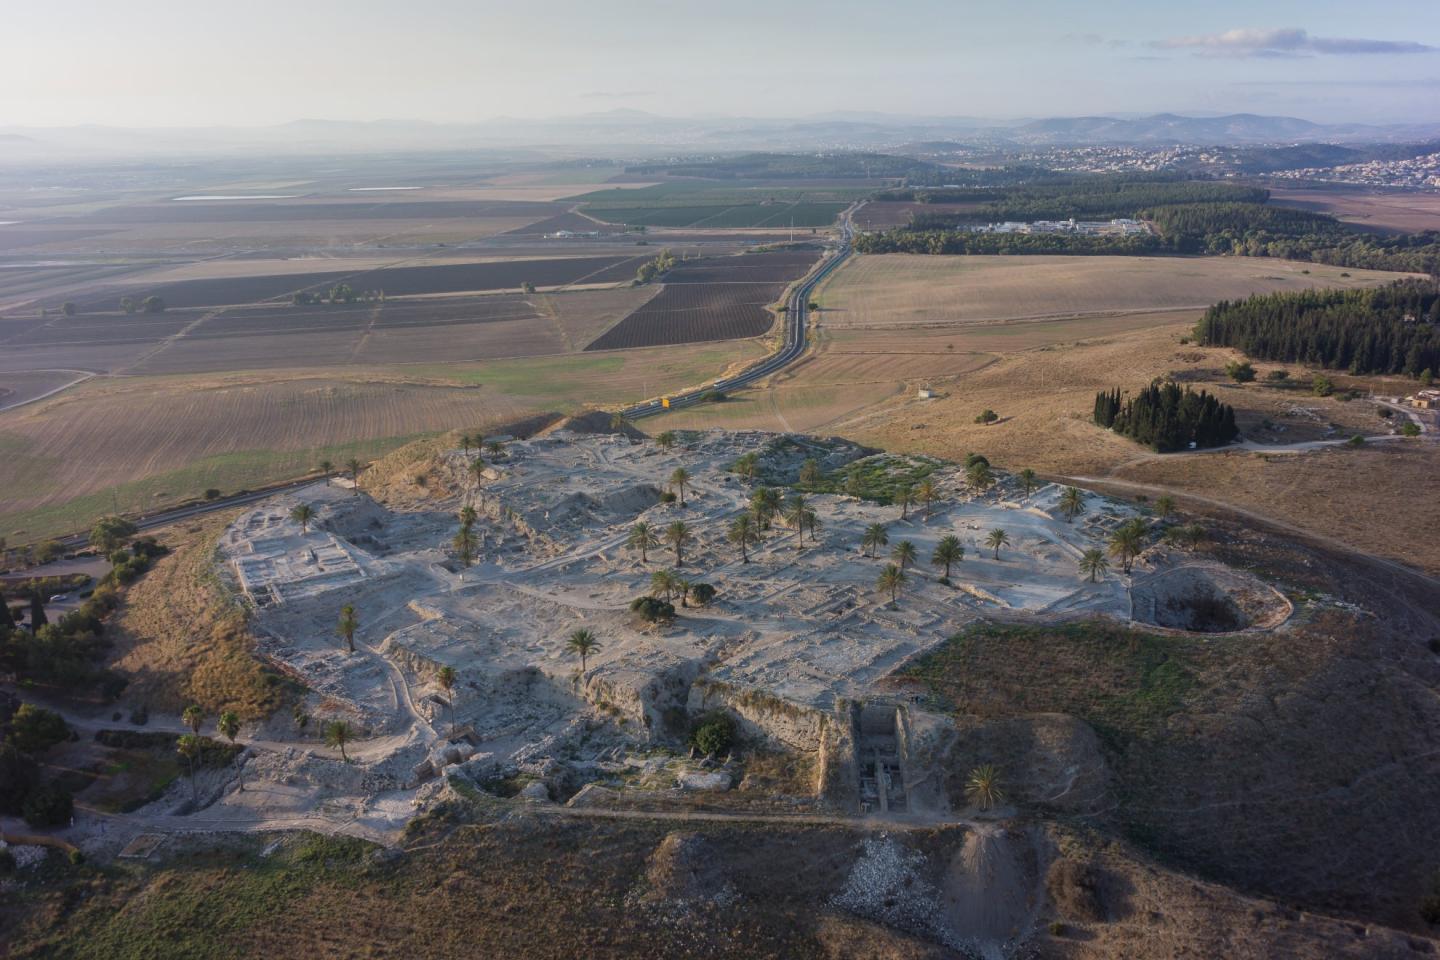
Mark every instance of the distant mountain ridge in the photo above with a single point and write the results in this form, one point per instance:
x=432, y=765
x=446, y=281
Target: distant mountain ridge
x=636, y=131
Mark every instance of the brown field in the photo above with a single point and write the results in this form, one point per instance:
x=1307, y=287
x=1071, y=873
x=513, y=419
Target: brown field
x=907, y=289
x=1044, y=396
x=18, y=388
x=1388, y=212
x=141, y=443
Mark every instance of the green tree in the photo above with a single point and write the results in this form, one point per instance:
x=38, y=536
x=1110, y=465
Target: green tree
x=677, y=535
x=810, y=471
x=229, y=727
x=353, y=465
x=1127, y=542
x=193, y=717
x=642, y=537
x=1093, y=564
x=1164, y=506
x=1410, y=429
x=1240, y=371
x=582, y=643
x=983, y=787
x=496, y=448
x=997, y=538
x=327, y=467
x=742, y=534
x=111, y=533
x=875, y=536
x=906, y=495
x=468, y=516
x=891, y=579
x=34, y=730
x=680, y=480
x=347, y=626
x=465, y=442
x=1028, y=481
x=446, y=677
x=796, y=511
x=302, y=514
x=190, y=746
x=927, y=494
x=947, y=552
x=904, y=554
x=465, y=545
x=812, y=522
x=747, y=467
x=666, y=440
x=979, y=476
x=1072, y=502
x=662, y=582
x=337, y=734
x=765, y=504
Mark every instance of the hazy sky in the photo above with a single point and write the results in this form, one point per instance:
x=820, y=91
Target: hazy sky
x=166, y=62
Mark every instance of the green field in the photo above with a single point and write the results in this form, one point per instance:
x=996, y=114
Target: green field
x=801, y=214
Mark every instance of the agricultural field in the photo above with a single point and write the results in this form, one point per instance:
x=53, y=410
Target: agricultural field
x=887, y=214
x=719, y=204
x=1388, y=212
x=435, y=278
x=910, y=289
x=713, y=298
x=141, y=443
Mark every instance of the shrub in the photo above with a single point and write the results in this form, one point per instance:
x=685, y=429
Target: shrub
x=713, y=396
x=212, y=493
x=1240, y=371
x=1322, y=386
x=974, y=458
x=667, y=497
x=987, y=416
x=1278, y=376
x=713, y=733
x=702, y=593
x=48, y=806
x=1409, y=429
x=653, y=609
x=18, y=776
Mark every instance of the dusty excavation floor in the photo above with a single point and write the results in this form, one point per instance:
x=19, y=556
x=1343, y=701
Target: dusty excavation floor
x=802, y=624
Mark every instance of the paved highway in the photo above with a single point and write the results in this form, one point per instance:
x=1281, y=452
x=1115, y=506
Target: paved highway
x=795, y=339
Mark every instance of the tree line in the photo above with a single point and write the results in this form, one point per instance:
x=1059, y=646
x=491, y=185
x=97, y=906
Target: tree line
x=1389, y=329
x=1167, y=418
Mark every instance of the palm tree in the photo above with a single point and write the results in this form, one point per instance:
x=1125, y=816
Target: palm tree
x=997, y=538
x=979, y=476
x=446, y=676
x=353, y=466
x=326, y=466
x=764, y=504
x=1126, y=543
x=467, y=516
x=1028, y=480
x=742, y=534
x=1093, y=564
x=682, y=587
x=747, y=466
x=337, y=734
x=666, y=440
x=193, y=717
x=642, y=535
x=927, y=494
x=812, y=520
x=677, y=535
x=496, y=448
x=947, y=551
x=663, y=582
x=302, y=515
x=875, y=536
x=1072, y=502
x=903, y=554
x=465, y=544
x=465, y=442
x=229, y=727
x=906, y=495
x=582, y=642
x=983, y=787
x=477, y=469
x=892, y=578
x=349, y=623
x=796, y=509
x=190, y=747
x=1165, y=506
x=680, y=479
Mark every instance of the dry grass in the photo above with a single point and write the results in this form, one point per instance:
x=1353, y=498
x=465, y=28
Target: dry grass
x=906, y=289
x=1388, y=212
x=180, y=639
